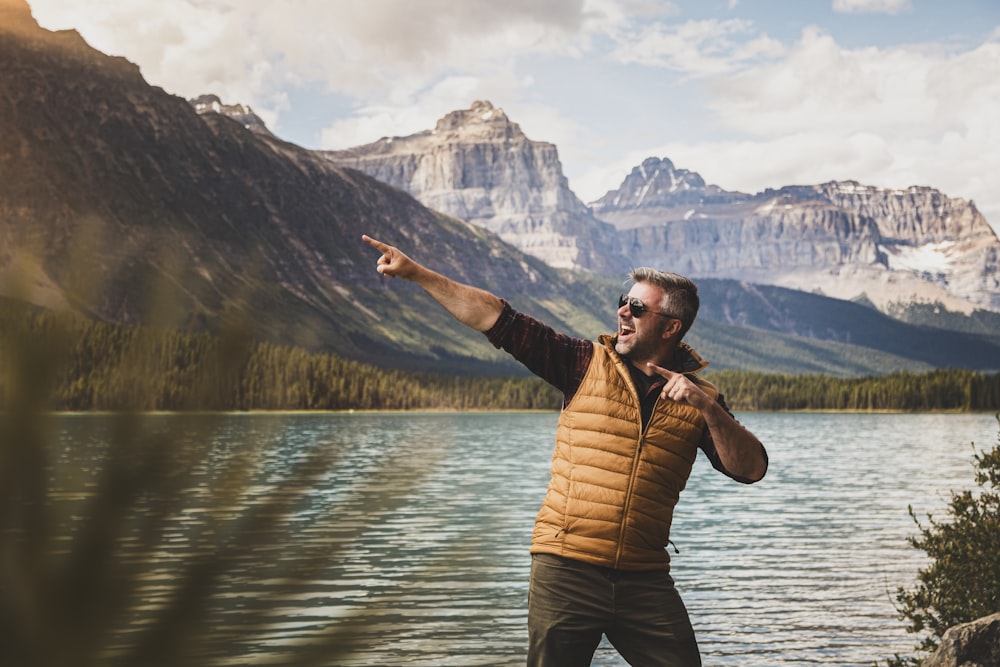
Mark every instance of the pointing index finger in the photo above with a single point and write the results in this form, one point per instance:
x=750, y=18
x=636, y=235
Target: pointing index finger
x=378, y=245
x=660, y=370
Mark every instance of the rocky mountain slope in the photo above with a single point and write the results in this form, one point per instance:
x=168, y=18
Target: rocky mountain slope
x=479, y=166
x=122, y=202
x=845, y=239
x=242, y=114
x=894, y=250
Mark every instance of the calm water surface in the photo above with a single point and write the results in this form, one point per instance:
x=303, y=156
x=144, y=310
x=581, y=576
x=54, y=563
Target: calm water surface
x=417, y=527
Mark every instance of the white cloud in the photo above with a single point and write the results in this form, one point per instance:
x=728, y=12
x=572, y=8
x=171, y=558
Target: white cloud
x=751, y=166
x=403, y=116
x=542, y=122
x=378, y=52
x=196, y=47
x=369, y=123
x=614, y=14
x=366, y=48
x=872, y=6
x=700, y=48
x=888, y=117
x=539, y=122
x=822, y=85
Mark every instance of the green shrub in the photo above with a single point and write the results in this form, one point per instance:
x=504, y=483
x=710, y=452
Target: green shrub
x=962, y=582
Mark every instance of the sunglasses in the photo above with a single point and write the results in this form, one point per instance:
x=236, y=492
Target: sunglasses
x=638, y=308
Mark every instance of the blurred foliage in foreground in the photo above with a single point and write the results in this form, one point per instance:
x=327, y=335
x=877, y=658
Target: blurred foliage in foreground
x=105, y=366
x=84, y=576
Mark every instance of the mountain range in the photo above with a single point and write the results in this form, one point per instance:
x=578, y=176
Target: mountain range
x=845, y=240
x=122, y=202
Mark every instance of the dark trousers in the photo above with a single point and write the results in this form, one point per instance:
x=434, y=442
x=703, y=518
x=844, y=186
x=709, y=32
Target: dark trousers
x=571, y=604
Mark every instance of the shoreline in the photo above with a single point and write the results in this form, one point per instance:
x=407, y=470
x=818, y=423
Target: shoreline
x=349, y=411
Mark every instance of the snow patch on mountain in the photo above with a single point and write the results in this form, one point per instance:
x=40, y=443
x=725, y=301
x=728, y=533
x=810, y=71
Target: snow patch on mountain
x=932, y=258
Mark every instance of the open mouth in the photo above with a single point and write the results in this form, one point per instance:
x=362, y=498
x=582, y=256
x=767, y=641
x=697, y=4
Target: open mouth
x=625, y=330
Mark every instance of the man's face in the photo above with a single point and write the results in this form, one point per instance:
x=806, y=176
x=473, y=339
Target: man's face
x=640, y=339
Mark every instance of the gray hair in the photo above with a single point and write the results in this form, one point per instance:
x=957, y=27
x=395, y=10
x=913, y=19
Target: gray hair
x=680, y=293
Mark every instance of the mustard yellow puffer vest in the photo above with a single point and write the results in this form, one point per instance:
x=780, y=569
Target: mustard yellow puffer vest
x=613, y=489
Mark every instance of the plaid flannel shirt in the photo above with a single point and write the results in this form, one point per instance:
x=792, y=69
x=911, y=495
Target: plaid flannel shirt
x=563, y=360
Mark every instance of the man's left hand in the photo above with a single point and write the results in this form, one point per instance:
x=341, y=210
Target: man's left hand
x=681, y=389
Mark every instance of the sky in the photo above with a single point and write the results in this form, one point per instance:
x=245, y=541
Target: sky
x=751, y=94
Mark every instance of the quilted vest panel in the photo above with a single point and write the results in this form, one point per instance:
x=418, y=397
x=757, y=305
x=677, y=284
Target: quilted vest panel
x=613, y=488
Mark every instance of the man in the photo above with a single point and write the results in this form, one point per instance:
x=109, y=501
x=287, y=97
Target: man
x=634, y=415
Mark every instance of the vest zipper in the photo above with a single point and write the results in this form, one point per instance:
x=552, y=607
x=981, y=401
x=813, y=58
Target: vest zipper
x=632, y=475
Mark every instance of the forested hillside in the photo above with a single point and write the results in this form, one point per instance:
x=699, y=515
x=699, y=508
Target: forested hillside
x=87, y=365
x=939, y=390
x=70, y=363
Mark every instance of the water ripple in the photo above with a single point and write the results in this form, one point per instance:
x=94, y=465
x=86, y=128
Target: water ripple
x=421, y=523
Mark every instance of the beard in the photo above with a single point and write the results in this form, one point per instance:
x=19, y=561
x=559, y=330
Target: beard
x=641, y=347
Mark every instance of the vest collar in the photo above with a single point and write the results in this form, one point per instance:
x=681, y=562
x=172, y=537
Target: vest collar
x=686, y=360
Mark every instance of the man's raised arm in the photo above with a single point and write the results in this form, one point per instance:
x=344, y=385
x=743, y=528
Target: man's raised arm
x=473, y=307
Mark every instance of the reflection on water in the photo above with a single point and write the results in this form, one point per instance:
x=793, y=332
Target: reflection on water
x=421, y=523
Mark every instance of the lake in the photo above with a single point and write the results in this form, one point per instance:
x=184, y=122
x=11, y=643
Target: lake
x=409, y=532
